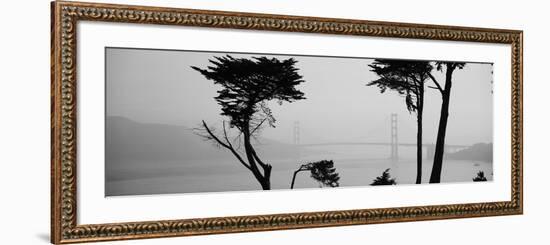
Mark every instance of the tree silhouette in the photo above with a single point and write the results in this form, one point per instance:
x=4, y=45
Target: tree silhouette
x=450, y=67
x=384, y=179
x=408, y=79
x=248, y=84
x=480, y=177
x=322, y=171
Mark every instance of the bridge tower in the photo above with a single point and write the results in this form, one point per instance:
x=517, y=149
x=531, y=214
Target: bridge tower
x=394, y=155
x=296, y=133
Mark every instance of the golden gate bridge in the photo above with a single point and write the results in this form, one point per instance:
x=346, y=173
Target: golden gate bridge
x=394, y=142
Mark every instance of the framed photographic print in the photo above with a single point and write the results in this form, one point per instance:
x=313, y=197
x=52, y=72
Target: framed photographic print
x=176, y=122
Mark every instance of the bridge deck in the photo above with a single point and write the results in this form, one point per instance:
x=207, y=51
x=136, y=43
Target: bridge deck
x=378, y=144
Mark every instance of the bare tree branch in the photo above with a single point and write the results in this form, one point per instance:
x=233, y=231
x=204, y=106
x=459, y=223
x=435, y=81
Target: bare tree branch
x=258, y=126
x=229, y=147
x=225, y=135
x=212, y=136
x=237, y=140
x=416, y=88
x=436, y=83
x=416, y=81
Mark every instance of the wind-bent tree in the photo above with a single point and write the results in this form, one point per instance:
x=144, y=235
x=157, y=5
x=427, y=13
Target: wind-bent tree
x=322, y=171
x=248, y=84
x=445, y=91
x=384, y=179
x=408, y=79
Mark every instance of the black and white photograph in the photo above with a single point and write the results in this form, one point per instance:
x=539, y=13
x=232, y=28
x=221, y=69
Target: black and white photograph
x=191, y=121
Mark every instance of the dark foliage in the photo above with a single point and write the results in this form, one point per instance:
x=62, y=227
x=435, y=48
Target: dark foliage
x=247, y=86
x=403, y=76
x=384, y=179
x=480, y=177
x=322, y=171
x=249, y=83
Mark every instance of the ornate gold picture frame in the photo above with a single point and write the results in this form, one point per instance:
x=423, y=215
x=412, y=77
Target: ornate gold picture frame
x=64, y=109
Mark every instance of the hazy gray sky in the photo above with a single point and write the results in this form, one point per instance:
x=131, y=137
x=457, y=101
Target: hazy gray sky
x=159, y=86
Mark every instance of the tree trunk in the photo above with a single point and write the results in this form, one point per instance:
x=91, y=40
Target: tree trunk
x=442, y=130
x=266, y=182
x=419, y=139
x=262, y=179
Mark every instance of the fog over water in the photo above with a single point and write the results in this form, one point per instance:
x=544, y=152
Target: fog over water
x=154, y=100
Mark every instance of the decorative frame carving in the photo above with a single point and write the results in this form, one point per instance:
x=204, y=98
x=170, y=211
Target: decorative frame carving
x=65, y=15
